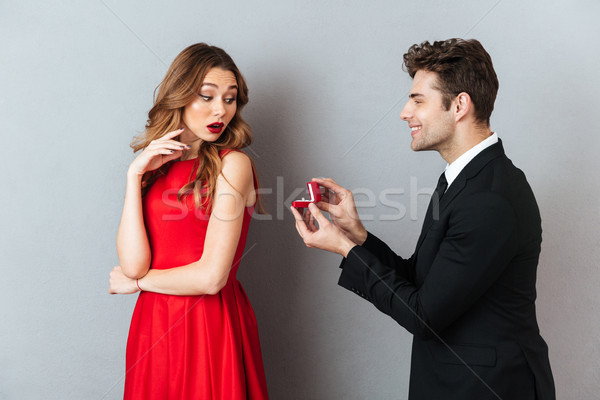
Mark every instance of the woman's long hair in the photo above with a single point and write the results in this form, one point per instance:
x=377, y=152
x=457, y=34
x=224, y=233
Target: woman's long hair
x=180, y=87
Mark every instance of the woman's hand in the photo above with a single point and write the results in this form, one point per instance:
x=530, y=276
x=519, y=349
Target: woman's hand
x=339, y=203
x=120, y=284
x=157, y=153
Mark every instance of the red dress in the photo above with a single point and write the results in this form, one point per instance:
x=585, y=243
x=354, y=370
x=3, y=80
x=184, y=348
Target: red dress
x=190, y=347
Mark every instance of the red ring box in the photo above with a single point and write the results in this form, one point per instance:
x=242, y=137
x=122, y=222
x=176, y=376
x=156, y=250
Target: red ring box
x=315, y=196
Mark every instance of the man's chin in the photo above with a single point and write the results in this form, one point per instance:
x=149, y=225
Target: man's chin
x=416, y=146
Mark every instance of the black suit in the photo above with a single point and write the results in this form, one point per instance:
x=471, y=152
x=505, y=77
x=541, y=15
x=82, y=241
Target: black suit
x=467, y=294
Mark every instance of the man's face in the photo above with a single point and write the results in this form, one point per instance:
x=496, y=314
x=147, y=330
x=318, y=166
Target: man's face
x=432, y=127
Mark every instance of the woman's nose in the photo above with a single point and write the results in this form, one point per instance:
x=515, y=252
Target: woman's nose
x=218, y=108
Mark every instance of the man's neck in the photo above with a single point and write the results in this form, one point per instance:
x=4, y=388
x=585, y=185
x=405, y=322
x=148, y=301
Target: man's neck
x=463, y=142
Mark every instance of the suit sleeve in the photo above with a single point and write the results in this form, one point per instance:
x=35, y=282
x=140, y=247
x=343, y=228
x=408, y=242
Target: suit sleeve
x=479, y=243
x=387, y=256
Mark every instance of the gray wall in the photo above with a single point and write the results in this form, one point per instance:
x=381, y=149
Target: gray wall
x=326, y=85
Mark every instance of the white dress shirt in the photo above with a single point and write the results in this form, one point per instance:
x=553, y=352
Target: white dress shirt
x=452, y=170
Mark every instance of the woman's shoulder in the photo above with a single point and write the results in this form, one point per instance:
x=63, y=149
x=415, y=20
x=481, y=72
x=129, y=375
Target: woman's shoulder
x=238, y=173
x=225, y=152
x=236, y=157
x=236, y=164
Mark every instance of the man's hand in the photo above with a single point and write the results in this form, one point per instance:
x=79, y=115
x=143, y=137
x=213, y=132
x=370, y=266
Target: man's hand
x=339, y=203
x=326, y=236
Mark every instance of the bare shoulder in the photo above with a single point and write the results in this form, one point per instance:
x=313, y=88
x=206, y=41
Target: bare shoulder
x=237, y=171
x=237, y=166
x=236, y=160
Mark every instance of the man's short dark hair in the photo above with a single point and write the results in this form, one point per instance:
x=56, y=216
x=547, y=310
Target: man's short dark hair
x=462, y=66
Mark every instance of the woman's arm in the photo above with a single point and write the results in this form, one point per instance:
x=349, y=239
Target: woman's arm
x=209, y=274
x=132, y=241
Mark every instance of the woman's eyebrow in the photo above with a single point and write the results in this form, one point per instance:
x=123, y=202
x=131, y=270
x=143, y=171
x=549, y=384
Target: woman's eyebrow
x=216, y=86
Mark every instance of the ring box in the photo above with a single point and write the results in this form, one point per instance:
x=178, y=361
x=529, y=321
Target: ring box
x=315, y=196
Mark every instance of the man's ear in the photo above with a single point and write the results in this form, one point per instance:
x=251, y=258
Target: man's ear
x=462, y=106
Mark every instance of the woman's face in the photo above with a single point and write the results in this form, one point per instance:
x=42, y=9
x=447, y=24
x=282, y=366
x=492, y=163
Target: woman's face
x=206, y=117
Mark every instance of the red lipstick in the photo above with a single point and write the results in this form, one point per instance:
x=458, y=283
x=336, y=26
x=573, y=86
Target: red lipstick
x=215, y=127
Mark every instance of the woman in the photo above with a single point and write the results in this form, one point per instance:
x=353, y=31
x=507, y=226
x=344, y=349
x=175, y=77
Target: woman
x=188, y=203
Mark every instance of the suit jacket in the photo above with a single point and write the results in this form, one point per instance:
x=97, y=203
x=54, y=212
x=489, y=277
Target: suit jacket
x=467, y=294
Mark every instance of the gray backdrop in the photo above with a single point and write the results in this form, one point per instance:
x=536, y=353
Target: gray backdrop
x=326, y=90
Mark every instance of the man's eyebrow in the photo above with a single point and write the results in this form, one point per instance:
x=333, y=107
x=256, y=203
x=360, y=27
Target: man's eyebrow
x=215, y=86
x=413, y=95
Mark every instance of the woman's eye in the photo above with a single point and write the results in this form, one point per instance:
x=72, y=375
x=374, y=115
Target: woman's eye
x=207, y=98
x=230, y=100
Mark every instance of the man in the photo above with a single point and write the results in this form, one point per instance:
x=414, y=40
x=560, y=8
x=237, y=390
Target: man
x=467, y=293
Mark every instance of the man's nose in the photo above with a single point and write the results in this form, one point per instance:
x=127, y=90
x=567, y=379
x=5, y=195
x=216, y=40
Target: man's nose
x=406, y=113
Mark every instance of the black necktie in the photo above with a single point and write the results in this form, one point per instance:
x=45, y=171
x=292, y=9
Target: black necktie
x=433, y=210
x=436, y=197
x=441, y=186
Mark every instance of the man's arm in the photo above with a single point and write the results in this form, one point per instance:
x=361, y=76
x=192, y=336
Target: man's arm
x=479, y=244
x=387, y=256
x=339, y=203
